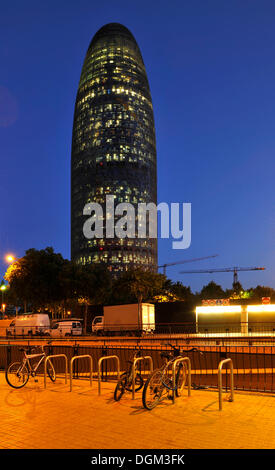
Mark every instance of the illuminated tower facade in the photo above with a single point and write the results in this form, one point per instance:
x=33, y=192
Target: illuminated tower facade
x=113, y=147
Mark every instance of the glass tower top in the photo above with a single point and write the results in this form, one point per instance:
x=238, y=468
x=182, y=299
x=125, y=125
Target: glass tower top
x=113, y=146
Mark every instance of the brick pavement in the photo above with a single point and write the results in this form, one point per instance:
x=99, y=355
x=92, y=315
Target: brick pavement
x=34, y=418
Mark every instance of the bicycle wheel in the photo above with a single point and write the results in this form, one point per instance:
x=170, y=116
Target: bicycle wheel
x=120, y=387
x=17, y=374
x=181, y=375
x=153, y=390
x=51, y=371
x=138, y=383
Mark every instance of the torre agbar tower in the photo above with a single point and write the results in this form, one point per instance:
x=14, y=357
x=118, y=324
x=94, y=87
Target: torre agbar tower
x=113, y=147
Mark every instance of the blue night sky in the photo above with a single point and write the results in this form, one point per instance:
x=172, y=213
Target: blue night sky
x=211, y=70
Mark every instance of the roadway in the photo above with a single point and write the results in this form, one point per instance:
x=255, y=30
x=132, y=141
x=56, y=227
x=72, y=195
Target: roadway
x=150, y=340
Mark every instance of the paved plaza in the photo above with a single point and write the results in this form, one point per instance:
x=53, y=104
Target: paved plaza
x=55, y=418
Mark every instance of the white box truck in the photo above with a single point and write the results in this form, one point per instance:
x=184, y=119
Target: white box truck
x=130, y=319
x=29, y=324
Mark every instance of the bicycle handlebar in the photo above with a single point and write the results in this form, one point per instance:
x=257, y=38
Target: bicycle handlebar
x=31, y=348
x=179, y=351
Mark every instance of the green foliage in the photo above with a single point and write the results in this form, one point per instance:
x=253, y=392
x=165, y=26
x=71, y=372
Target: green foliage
x=136, y=285
x=180, y=291
x=43, y=279
x=35, y=277
x=212, y=291
x=262, y=291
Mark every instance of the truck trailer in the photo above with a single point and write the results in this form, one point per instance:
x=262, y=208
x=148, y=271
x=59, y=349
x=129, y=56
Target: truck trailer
x=130, y=319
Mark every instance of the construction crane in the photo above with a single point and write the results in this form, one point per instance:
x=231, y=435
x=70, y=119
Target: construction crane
x=233, y=270
x=164, y=266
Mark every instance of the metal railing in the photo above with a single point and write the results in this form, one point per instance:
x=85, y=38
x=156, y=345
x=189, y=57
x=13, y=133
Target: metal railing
x=178, y=361
x=74, y=358
x=138, y=359
x=45, y=366
x=221, y=364
x=105, y=358
x=254, y=365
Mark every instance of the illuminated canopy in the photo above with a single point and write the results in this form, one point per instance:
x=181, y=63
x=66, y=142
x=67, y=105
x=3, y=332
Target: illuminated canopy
x=219, y=309
x=236, y=309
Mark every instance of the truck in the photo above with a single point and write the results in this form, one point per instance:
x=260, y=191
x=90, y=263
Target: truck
x=28, y=324
x=128, y=320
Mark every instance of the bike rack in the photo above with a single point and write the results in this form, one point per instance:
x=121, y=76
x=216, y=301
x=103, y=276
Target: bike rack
x=45, y=366
x=74, y=358
x=143, y=358
x=231, y=398
x=175, y=363
x=99, y=369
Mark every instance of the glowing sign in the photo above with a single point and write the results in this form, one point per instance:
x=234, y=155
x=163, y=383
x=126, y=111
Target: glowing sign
x=220, y=309
x=216, y=302
x=261, y=308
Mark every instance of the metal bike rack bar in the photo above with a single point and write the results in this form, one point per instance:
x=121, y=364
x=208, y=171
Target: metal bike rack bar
x=74, y=358
x=175, y=363
x=143, y=358
x=45, y=366
x=104, y=358
x=225, y=361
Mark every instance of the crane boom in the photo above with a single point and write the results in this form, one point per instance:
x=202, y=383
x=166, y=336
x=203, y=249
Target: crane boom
x=164, y=266
x=224, y=270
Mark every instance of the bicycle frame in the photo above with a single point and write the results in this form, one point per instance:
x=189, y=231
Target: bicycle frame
x=27, y=359
x=165, y=370
x=129, y=370
x=169, y=362
x=131, y=362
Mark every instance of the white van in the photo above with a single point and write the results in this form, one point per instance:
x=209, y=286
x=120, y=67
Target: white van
x=29, y=324
x=63, y=328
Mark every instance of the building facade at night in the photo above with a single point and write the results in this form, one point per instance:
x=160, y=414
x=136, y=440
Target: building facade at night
x=113, y=147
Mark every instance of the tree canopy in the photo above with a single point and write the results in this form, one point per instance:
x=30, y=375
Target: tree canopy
x=44, y=280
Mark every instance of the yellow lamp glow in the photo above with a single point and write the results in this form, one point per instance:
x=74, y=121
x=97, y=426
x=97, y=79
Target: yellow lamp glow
x=261, y=308
x=219, y=309
x=9, y=258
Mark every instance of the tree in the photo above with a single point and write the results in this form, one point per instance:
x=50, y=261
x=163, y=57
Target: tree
x=35, y=278
x=212, y=291
x=173, y=291
x=94, y=287
x=262, y=291
x=45, y=280
x=237, y=288
x=139, y=285
x=180, y=291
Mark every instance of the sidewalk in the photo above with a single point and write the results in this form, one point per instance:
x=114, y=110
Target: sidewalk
x=35, y=418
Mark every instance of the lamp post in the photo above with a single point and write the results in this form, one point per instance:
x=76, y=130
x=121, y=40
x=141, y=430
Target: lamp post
x=3, y=287
x=9, y=258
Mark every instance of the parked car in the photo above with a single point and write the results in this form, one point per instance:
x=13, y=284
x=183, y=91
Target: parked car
x=29, y=324
x=61, y=328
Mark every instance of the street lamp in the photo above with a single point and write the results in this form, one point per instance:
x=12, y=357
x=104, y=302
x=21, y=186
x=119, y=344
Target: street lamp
x=9, y=258
x=3, y=287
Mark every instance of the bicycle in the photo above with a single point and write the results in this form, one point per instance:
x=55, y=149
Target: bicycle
x=160, y=383
x=125, y=382
x=18, y=373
